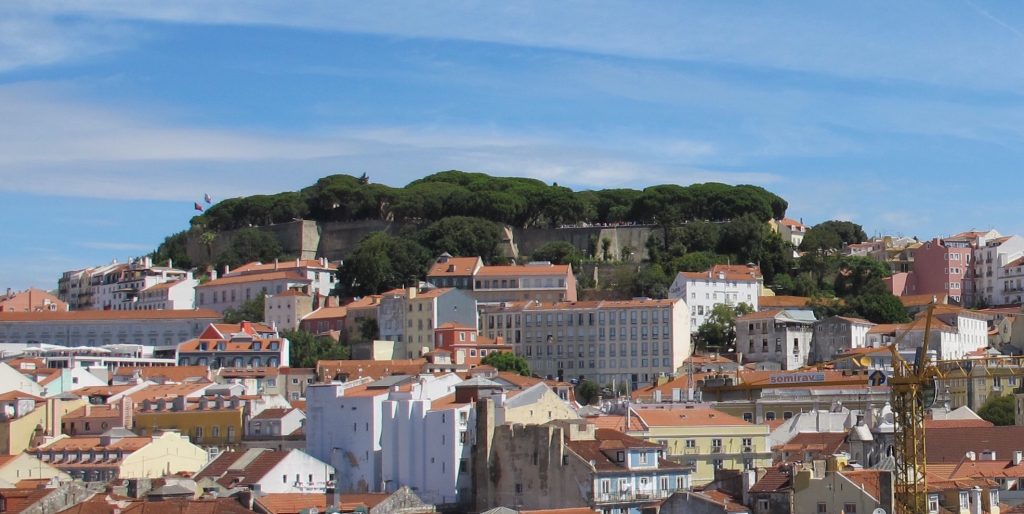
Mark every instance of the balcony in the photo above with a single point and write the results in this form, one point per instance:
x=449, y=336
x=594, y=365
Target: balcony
x=630, y=496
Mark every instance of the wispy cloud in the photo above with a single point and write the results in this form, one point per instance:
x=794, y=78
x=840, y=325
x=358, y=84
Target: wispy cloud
x=106, y=245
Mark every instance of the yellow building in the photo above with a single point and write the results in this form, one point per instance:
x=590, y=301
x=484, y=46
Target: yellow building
x=206, y=421
x=982, y=383
x=705, y=438
x=121, y=454
x=22, y=415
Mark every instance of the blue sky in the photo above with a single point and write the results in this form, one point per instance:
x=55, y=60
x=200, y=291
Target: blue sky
x=115, y=116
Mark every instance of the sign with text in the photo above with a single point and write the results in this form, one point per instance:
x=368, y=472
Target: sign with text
x=797, y=378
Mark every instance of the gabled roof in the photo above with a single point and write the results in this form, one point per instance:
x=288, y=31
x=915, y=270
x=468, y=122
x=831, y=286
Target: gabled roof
x=819, y=444
x=782, y=302
x=293, y=503
x=18, y=499
x=240, y=468
x=688, y=417
x=605, y=439
x=455, y=266
x=531, y=269
x=869, y=479
x=255, y=277
x=368, y=368
x=774, y=480
x=280, y=265
x=949, y=445
x=165, y=373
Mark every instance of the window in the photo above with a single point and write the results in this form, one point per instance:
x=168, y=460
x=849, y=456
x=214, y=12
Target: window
x=716, y=445
x=643, y=457
x=964, y=500
x=822, y=508
x=933, y=504
x=691, y=443
x=717, y=463
x=762, y=506
x=769, y=416
x=850, y=508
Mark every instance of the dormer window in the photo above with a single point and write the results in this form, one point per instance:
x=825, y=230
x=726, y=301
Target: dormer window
x=643, y=458
x=620, y=456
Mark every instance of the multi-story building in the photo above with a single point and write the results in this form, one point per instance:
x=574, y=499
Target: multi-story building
x=836, y=335
x=791, y=231
x=209, y=422
x=820, y=487
x=986, y=283
x=119, y=286
x=540, y=281
x=30, y=300
x=344, y=322
x=286, y=309
x=609, y=342
x=940, y=266
x=722, y=284
x=464, y=344
x=230, y=292
x=173, y=295
x=356, y=453
x=295, y=381
x=97, y=328
x=92, y=419
x=121, y=454
x=457, y=272
x=704, y=439
x=322, y=275
x=779, y=336
x=955, y=332
x=275, y=423
x=571, y=464
x=244, y=345
x=409, y=316
x=101, y=361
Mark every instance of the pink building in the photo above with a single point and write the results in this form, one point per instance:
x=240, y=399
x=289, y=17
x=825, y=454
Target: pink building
x=939, y=268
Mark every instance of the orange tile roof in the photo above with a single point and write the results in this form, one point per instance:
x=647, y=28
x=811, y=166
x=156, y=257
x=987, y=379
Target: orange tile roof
x=459, y=266
x=293, y=503
x=84, y=443
x=368, y=368
x=98, y=315
x=869, y=479
x=775, y=479
x=917, y=300
x=769, y=314
x=327, y=313
x=592, y=304
x=18, y=395
x=616, y=422
x=681, y=382
x=194, y=345
x=163, y=285
x=17, y=500
x=611, y=439
x=524, y=270
x=956, y=423
x=728, y=276
x=790, y=222
x=567, y=510
x=166, y=373
x=102, y=390
x=688, y=417
x=259, y=267
x=255, y=277
x=776, y=302
x=158, y=391
x=730, y=503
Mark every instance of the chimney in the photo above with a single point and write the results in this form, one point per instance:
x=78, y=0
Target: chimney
x=179, y=403
x=323, y=262
x=53, y=414
x=213, y=274
x=975, y=500
x=1018, y=456
x=275, y=263
x=412, y=293
x=971, y=456
x=170, y=263
x=657, y=396
x=227, y=270
x=127, y=412
x=88, y=409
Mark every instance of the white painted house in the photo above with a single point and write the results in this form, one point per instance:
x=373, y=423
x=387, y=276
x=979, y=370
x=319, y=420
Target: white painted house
x=780, y=336
x=266, y=471
x=836, y=335
x=726, y=284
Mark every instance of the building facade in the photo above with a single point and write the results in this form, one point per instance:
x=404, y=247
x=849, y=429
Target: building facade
x=605, y=341
x=97, y=328
x=836, y=335
x=410, y=316
x=779, y=336
x=729, y=285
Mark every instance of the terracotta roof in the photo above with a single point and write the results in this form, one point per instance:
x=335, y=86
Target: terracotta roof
x=128, y=444
x=158, y=391
x=764, y=314
x=781, y=302
x=224, y=471
x=166, y=373
x=368, y=368
x=790, y=222
x=951, y=444
x=255, y=277
x=275, y=413
x=327, y=313
x=259, y=267
x=605, y=439
x=17, y=500
x=819, y=444
x=730, y=503
x=869, y=479
x=459, y=266
x=292, y=292
x=774, y=480
x=18, y=395
x=524, y=269
x=163, y=285
x=567, y=510
x=616, y=422
x=957, y=423
x=293, y=503
x=98, y=315
x=727, y=276
x=1014, y=263
x=95, y=411
x=102, y=390
x=232, y=346
x=566, y=306
x=688, y=417
x=681, y=382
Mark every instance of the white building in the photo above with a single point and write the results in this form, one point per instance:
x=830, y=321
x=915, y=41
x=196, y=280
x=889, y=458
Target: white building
x=955, y=332
x=266, y=471
x=97, y=328
x=722, y=284
x=121, y=289
x=780, y=336
x=174, y=295
x=343, y=424
x=791, y=231
x=608, y=342
x=992, y=279
x=836, y=335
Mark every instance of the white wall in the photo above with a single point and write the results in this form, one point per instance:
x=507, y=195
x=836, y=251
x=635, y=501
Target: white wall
x=299, y=472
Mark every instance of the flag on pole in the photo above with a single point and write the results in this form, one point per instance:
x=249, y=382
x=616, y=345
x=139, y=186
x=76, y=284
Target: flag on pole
x=208, y=198
x=199, y=207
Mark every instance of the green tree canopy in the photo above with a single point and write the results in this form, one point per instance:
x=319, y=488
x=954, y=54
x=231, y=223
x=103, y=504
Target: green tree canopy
x=462, y=236
x=998, y=410
x=250, y=310
x=507, y=361
x=305, y=349
x=719, y=330
x=252, y=244
x=381, y=262
x=559, y=252
x=587, y=392
x=832, y=235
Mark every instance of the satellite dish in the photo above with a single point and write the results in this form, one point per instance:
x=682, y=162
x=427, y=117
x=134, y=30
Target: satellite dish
x=878, y=511
x=865, y=361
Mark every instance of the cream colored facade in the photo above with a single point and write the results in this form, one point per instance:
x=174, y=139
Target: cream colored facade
x=813, y=487
x=169, y=453
x=536, y=406
x=706, y=447
x=27, y=467
x=16, y=435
